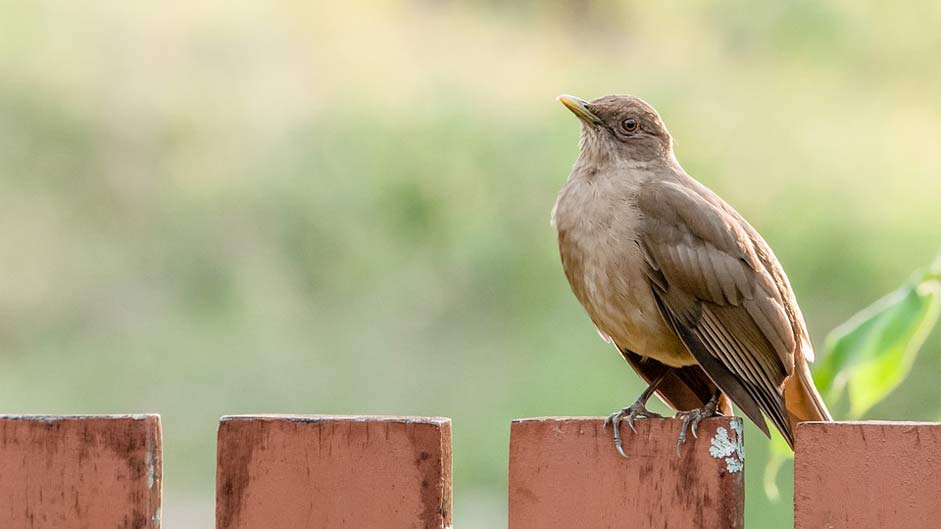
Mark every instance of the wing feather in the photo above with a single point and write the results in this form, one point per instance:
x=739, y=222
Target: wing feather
x=714, y=288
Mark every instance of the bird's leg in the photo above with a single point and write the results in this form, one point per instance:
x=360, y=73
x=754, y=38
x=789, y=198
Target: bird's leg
x=692, y=418
x=632, y=412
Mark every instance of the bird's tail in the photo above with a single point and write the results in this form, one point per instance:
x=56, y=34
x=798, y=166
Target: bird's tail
x=802, y=400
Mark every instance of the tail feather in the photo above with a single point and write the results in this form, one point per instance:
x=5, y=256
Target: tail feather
x=801, y=398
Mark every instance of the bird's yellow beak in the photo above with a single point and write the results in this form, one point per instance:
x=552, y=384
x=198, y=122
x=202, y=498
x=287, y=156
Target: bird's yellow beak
x=579, y=107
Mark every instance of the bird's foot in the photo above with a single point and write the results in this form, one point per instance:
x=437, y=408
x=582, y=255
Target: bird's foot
x=692, y=418
x=630, y=414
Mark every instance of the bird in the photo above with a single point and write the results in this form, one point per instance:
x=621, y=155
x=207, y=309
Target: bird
x=677, y=280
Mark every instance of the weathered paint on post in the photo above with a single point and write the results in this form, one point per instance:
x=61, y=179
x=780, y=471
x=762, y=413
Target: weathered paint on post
x=330, y=472
x=850, y=475
x=79, y=472
x=565, y=473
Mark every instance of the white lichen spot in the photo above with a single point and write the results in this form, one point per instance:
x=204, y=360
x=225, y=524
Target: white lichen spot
x=731, y=449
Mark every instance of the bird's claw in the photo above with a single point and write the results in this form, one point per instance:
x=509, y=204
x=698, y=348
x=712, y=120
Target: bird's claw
x=631, y=414
x=691, y=420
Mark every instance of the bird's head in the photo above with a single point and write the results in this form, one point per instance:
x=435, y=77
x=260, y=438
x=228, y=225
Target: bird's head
x=622, y=126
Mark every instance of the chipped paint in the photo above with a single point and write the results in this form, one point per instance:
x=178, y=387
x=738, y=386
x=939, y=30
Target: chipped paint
x=151, y=469
x=731, y=449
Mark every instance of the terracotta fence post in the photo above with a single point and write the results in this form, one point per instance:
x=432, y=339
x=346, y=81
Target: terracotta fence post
x=566, y=474
x=850, y=475
x=78, y=472
x=329, y=472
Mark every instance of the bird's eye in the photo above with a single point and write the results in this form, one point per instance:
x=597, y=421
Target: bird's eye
x=629, y=124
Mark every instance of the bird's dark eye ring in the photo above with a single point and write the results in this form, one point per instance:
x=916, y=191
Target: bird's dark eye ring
x=629, y=124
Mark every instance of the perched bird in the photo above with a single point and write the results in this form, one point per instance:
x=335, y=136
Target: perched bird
x=683, y=286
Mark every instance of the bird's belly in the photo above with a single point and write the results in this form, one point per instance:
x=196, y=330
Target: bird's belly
x=605, y=267
x=624, y=310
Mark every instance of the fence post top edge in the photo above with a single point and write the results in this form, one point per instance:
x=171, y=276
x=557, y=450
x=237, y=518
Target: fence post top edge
x=315, y=419
x=81, y=417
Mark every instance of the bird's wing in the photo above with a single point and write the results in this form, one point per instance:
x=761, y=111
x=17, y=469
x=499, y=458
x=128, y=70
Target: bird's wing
x=721, y=300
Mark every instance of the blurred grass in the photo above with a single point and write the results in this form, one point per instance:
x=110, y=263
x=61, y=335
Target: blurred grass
x=306, y=207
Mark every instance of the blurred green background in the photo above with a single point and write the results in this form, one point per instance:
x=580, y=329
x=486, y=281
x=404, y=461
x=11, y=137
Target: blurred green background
x=321, y=207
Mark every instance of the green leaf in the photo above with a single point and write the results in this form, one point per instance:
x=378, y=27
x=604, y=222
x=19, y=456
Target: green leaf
x=869, y=355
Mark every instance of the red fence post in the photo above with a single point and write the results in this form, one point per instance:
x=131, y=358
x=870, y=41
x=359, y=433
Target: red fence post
x=328, y=472
x=80, y=472
x=851, y=475
x=565, y=474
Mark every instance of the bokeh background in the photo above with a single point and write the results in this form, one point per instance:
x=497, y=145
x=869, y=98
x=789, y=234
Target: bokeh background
x=220, y=207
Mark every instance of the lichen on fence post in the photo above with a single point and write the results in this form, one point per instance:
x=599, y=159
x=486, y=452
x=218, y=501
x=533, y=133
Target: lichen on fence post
x=566, y=473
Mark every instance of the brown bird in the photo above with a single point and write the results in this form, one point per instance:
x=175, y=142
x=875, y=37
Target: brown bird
x=683, y=286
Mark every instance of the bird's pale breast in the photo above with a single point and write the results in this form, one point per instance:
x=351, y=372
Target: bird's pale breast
x=604, y=266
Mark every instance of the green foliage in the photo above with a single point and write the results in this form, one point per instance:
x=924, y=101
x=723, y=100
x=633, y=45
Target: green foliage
x=871, y=354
